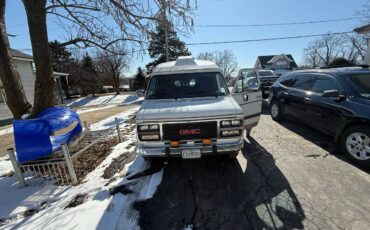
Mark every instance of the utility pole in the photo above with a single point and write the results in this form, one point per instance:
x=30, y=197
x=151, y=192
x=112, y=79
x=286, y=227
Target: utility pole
x=165, y=25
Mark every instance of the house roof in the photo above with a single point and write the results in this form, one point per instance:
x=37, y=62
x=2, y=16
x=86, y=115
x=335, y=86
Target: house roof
x=363, y=29
x=184, y=65
x=265, y=59
x=18, y=54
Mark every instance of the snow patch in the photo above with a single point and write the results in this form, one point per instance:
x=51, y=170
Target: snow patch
x=100, y=209
x=6, y=131
x=101, y=100
x=5, y=166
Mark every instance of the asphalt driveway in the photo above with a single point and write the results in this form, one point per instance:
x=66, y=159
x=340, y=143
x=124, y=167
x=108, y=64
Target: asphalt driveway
x=287, y=176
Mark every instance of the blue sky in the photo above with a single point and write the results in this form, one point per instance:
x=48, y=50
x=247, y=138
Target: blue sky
x=232, y=12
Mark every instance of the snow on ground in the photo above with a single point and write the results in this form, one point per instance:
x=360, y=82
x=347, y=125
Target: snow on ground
x=110, y=122
x=104, y=100
x=6, y=131
x=87, y=110
x=100, y=211
x=5, y=166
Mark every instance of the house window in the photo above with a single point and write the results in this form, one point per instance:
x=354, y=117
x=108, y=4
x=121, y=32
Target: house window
x=2, y=96
x=281, y=65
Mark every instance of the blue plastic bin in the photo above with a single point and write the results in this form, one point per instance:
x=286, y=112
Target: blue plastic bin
x=34, y=137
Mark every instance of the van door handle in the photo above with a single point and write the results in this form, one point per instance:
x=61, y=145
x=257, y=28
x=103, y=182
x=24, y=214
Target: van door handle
x=307, y=100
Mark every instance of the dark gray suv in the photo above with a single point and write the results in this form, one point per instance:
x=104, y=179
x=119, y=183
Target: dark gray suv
x=334, y=101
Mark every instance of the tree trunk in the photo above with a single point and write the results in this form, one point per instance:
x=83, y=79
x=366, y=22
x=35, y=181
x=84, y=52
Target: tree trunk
x=45, y=84
x=116, y=82
x=9, y=75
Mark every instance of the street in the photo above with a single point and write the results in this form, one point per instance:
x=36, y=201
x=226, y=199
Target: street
x=287, y=176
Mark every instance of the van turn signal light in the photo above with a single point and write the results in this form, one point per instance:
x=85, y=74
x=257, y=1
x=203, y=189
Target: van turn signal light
x=206, y=141
x=174, y=144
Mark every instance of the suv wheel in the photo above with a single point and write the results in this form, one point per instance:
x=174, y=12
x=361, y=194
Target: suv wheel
x=356, y=144
x=276, y=111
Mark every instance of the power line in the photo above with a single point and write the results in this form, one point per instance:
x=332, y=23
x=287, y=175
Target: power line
x=235, y=41
x=280, y=24
x=267, y=39
x=17, y=25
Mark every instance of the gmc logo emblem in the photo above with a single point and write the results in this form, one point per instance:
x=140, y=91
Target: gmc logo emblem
x=189, y=131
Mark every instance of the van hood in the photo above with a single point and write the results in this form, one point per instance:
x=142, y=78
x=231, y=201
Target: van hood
x=188, y=108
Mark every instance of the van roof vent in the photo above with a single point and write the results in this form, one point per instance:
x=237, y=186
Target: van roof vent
x=185, y=60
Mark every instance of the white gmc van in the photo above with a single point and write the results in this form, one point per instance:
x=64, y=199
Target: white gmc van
x=189, y=112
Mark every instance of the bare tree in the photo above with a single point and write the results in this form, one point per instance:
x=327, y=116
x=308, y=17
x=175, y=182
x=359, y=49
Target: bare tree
x=226, y=60
x=365, y=12
x=15, y=97
x=110, y=66
x=45, y=84
x=85, y=23
x=359, y=45
x=322, y=51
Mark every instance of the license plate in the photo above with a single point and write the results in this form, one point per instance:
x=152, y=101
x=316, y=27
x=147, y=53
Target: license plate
x=191, y=153
x=266, y=91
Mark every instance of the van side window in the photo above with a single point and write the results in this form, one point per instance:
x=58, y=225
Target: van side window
x=250, y=80
x=323, y=83
x=246, y=79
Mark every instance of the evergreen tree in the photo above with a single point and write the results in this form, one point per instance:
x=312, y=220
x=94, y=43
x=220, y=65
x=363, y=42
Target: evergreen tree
x=140, y=81
x=157, y=48
x=90, y=81
x=61, y=57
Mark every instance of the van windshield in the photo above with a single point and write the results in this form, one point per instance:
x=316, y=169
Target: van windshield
x=189, y=85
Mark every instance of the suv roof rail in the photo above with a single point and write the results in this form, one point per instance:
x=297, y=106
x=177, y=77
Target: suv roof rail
x=344, y=66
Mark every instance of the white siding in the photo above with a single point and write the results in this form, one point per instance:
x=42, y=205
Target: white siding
x=367, y=57
x=28, y=81
x=28, y=78
x=5, y=112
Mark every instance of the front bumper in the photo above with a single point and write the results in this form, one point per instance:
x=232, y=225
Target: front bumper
x=214, y=149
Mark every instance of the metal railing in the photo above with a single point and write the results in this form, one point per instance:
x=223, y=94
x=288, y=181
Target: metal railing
x=58, y=168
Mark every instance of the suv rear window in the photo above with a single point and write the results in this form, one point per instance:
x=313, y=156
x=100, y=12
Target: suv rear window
x=287, y=80
x=323, y=83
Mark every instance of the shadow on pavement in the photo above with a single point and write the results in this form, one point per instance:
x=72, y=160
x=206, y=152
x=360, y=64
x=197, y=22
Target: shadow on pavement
x=220, y=193
x=316, y=137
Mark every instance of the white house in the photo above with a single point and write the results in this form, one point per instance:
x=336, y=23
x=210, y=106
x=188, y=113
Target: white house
x=25, y=66
x=280, y=64
x=365, y=30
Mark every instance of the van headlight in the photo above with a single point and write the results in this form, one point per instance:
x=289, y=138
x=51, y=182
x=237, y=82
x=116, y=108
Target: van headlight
x=231, y=133
x=148, y=128
x=231, y=123
x=149, y=137
x=149, y=132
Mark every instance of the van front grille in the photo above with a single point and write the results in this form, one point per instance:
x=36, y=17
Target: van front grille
x=190, y=131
